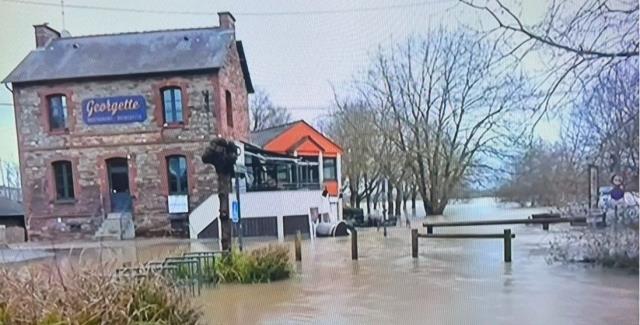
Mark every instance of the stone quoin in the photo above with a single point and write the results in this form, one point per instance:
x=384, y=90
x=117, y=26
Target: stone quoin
x=123, y=132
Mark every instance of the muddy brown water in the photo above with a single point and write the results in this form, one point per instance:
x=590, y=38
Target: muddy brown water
x=454, y=281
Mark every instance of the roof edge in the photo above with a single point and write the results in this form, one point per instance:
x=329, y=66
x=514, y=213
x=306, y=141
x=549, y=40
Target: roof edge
x=111, y=76
x=245, y=68
x=141, y=32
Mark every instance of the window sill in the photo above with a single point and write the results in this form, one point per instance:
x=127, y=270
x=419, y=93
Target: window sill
x=59, y=132
x=173, y=126
x=65, y=201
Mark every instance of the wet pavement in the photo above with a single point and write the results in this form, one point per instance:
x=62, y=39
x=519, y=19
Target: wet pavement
x=20, y=256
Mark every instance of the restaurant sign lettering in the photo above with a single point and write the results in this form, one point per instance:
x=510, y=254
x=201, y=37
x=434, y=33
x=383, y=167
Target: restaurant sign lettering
x=114, y=110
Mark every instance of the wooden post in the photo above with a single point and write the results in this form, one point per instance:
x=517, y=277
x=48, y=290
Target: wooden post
x=414, y=243
x=507, y=245
x=354, y=244
x=429, y=230
x=545, y=226
x=298, y=245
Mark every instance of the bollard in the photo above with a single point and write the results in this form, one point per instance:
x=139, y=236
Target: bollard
x=298, y=246
x=507, y=245
x=354, y=244
x=545, y=226
x=414, y=243
x=429, y=230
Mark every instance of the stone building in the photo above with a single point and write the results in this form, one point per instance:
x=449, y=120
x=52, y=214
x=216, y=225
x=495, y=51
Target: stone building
x=117, y=124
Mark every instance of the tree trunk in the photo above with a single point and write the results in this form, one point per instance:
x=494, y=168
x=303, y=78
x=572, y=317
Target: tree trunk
x=399, y=197
x=353, y=198
x=224, y=187
x=414, y=194
x=390, y=209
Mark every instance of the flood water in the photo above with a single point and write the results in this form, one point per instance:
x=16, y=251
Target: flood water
x=454, y=281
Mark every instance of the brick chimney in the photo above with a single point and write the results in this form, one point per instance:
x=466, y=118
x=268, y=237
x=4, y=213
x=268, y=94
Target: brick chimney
x=44, y=34
x=227, y=20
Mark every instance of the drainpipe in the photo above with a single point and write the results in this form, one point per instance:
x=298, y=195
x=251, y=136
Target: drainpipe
x=339, y=179
x=320, y=169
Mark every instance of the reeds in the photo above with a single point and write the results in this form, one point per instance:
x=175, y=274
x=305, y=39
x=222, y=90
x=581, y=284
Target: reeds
x=46, y=295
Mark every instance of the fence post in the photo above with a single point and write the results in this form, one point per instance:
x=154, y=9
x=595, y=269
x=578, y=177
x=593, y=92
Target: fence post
x=354, y=244
x=507, y=245
x=414, y=243
x=298, y=246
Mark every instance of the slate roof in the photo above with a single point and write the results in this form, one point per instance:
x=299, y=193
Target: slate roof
x=262, y=137
x=178, y=50
x=10, y=208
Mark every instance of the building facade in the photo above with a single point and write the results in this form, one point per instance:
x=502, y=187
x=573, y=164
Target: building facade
x=117, y=124
x=292, y=175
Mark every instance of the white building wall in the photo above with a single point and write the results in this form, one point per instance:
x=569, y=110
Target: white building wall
x=258, y=205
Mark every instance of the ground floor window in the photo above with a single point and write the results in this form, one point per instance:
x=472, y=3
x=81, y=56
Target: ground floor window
x=177, y=175
x=63, y=177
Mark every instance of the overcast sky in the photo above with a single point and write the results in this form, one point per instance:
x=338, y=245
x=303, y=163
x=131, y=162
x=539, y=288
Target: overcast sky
x=296, y=50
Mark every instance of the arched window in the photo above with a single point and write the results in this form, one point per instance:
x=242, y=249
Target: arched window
x=172, y=105
x=63, y=178
x=57, y=109
x=227, y=99
x=177, y=175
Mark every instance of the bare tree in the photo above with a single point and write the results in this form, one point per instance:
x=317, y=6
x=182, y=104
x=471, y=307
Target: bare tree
x=443, y=102
x=583, y=40
x=264, y=114
x=606, y=118
x=353, y=128
x=10, y=180
x=603, y=124
x=546, y=175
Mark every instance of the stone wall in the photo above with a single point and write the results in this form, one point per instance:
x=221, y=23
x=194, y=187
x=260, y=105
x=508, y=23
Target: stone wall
x=145, y=145
x=231, y=79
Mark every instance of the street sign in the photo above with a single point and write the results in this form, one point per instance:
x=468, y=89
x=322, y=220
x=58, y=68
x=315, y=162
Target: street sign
x=234, y=212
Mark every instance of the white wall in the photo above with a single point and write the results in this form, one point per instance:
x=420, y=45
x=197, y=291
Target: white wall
x=258, y=205
x=203, y=215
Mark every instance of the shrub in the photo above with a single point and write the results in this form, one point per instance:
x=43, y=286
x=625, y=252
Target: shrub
x=266, y=264
x=615, y=245
x=47, y=295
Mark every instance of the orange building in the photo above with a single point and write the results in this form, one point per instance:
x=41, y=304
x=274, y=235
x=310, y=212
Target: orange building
x=318, y=157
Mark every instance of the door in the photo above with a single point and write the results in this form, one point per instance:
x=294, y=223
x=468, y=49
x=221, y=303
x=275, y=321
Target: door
x=118, y=174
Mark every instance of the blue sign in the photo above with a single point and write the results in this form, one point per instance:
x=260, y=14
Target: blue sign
x=114, y=110
x=234, y=211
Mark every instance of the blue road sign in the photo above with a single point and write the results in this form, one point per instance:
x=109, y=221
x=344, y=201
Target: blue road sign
x=234, y=212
